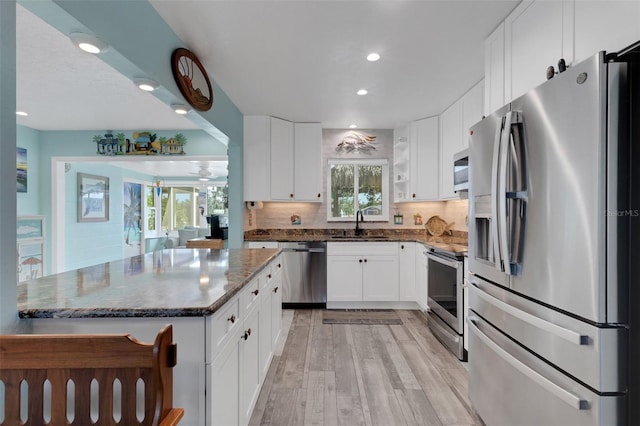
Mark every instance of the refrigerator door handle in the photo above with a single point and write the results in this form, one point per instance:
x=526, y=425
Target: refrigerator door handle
x=495, y=191
x=566, y=396
x=564, y=333
x=503, y=241
x=512, y=167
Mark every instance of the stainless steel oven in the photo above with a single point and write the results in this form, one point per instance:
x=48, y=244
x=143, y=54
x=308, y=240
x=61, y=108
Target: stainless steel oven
x=445, y=290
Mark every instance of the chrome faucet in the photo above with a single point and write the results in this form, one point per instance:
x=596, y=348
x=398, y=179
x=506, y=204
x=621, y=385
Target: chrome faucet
x=359, y=219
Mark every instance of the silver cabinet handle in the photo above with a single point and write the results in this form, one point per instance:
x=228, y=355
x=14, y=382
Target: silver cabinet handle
x=564, y=333
x=561, y=393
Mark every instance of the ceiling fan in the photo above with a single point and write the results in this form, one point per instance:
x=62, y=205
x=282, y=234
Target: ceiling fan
x=204, y=172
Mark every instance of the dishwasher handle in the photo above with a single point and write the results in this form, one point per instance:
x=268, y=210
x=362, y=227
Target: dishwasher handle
x=304, y=250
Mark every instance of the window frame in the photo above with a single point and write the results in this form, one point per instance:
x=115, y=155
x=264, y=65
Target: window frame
x=384, y=216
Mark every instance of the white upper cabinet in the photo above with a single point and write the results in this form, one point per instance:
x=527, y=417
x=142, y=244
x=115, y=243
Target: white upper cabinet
x=451, y=141
x=454, y=134
x=537, y=34
x=415, y=165
x=282, y=157
x=533, y=42
x=256, y=150
x=424, y=159
x=308, y=161
x=282, y=160
x=494, y=71
x=472, y=107
x=605, y=25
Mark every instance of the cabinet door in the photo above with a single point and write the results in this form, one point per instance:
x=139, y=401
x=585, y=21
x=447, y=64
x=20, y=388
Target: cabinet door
x=533, y=41
x=249, y=366
x=424, y=159
x=605, y=25
x=494, y=71
x=450, y=143
x=422, y=293
x=407, y=272
x=344, y=278
x=257, y=136
x=308, y=161
x=471, y=111
x=223, y=392
x=282, y=157
x=266, y=346
x=276, y=309
x=380, y=279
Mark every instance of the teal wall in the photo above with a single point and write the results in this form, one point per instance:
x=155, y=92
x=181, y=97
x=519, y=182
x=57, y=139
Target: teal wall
x=8, y=210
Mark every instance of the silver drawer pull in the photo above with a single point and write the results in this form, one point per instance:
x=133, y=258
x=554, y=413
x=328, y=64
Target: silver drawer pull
x=563, y=394
x=565, y=333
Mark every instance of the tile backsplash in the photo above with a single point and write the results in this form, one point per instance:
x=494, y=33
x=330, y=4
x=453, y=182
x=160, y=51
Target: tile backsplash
x=314, y=215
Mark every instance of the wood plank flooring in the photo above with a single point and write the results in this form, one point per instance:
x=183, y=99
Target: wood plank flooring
x=337, y=374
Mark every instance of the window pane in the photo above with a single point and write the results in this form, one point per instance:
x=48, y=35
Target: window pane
x=151, y=208
x=370, y=190
x=342, y=190
x=183, y=207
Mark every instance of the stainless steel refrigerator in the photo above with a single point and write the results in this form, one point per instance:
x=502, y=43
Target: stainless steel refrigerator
x=549, y=252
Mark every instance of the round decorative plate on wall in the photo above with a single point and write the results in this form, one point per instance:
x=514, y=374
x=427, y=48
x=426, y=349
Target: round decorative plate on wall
x=192, y=79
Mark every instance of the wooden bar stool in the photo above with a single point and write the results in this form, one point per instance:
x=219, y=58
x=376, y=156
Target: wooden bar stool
x=87, y=379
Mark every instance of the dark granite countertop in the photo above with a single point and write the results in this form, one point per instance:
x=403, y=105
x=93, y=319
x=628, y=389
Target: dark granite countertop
x=167, y=283
x=455, y=241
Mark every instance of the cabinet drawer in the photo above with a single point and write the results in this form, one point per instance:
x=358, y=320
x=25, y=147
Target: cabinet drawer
x=265, y=278
x=223, y=323
x=250, y=295
x=363, y=248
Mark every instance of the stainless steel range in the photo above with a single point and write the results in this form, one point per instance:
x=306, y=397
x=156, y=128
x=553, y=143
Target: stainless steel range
x=446, y=300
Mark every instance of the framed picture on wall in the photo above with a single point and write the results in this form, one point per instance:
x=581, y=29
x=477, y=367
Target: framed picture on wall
x=93, y=198
x=30, y=259
x=21, y=169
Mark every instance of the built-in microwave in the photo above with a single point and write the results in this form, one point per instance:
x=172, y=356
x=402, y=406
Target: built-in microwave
x=461, y=171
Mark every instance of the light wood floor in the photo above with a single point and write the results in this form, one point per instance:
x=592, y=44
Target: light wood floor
x=362, y=375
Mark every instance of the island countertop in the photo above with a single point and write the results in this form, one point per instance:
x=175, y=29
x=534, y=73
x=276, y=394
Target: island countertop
x=166, y=283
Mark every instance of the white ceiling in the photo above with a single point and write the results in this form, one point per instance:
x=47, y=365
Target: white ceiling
x=299, y=60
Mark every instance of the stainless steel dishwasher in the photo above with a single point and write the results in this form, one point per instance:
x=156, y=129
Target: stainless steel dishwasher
x=304, y=282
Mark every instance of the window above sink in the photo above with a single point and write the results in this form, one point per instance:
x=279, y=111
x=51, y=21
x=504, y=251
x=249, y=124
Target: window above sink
x=354, y=185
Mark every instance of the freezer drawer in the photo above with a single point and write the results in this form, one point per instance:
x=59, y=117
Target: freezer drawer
x=594, y=355
x=510, y=386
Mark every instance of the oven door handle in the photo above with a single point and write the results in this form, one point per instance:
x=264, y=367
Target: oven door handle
x=452, y=263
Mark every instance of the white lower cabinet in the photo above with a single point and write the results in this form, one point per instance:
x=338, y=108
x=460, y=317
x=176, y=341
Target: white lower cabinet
x=275, y=296
x=249, y=353
x=407, y=272
x=358, y=272
x=242, y=337
x=224, y=391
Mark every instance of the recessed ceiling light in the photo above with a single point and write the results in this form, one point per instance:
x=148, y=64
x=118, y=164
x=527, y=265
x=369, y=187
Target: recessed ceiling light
x=353, y=126
x=21, y=113
x=362, y=92
x=204, y=180
x=146, y=84
x=372, y=57
x=180, y=108
x=88, y=43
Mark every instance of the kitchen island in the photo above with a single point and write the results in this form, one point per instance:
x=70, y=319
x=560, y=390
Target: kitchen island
x=224, y=306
